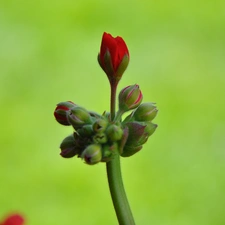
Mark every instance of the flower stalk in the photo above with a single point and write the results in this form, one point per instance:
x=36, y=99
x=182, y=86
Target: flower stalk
x=115, y=181
x=118, y=194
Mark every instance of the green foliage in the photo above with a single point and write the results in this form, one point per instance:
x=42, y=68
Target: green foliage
x=48, y=54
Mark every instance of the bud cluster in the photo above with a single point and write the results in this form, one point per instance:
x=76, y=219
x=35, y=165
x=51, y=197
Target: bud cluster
x=96, y=138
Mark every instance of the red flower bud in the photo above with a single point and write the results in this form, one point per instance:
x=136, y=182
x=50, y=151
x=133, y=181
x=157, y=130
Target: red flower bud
x=113, y=56
x=130, y=98
x=14, y=219
x=61, y=112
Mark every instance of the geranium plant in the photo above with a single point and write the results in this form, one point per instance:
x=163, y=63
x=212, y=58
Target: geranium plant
x=106, y=137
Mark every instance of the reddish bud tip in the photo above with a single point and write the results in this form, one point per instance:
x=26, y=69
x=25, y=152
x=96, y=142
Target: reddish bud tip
x=130, y=98
x=61, y=112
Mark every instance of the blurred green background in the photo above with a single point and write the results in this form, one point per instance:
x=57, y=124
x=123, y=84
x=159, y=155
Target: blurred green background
x=48, y=54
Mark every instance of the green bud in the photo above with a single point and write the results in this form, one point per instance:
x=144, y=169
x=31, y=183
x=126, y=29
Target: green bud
x=92, y=154
x=85, y=131
x=78, y=117
x=100, y=138
x=130, y=98
x=100, y=125
x=114, y=133
x=135, y=131
x=145, y=112
x=138, y=133
x=68, y=147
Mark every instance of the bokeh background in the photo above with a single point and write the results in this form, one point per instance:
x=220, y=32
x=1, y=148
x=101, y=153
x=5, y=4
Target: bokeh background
x=48, y=54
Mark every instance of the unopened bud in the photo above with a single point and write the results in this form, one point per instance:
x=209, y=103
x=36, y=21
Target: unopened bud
x=113, y=57
x=85, y=131
x=100, y=125
x=145, y=112
x=61, y=112
x=92, y=154
x=138, y=134
x=78, y=117
x=130, y=98
x=100, y=138
x=68, y=147
x=149, y=130
x=136, y=130
x=114, y=133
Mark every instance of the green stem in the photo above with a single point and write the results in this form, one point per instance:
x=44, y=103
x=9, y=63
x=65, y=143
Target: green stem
x=118, y=194
x=113, y=86
x=118, y=116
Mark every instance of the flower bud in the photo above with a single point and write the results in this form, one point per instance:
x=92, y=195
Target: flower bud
x=136, y=130
x=114, y=133
x=145, y=112
x=138, y=134
x=78, y=117
x=92, y=154
x=85, y=131
x=100, y=138
x=100, y=125
x=68, y=147
x=149, y=130
x=113, y=56
x=130, y=98
x=61, y=112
